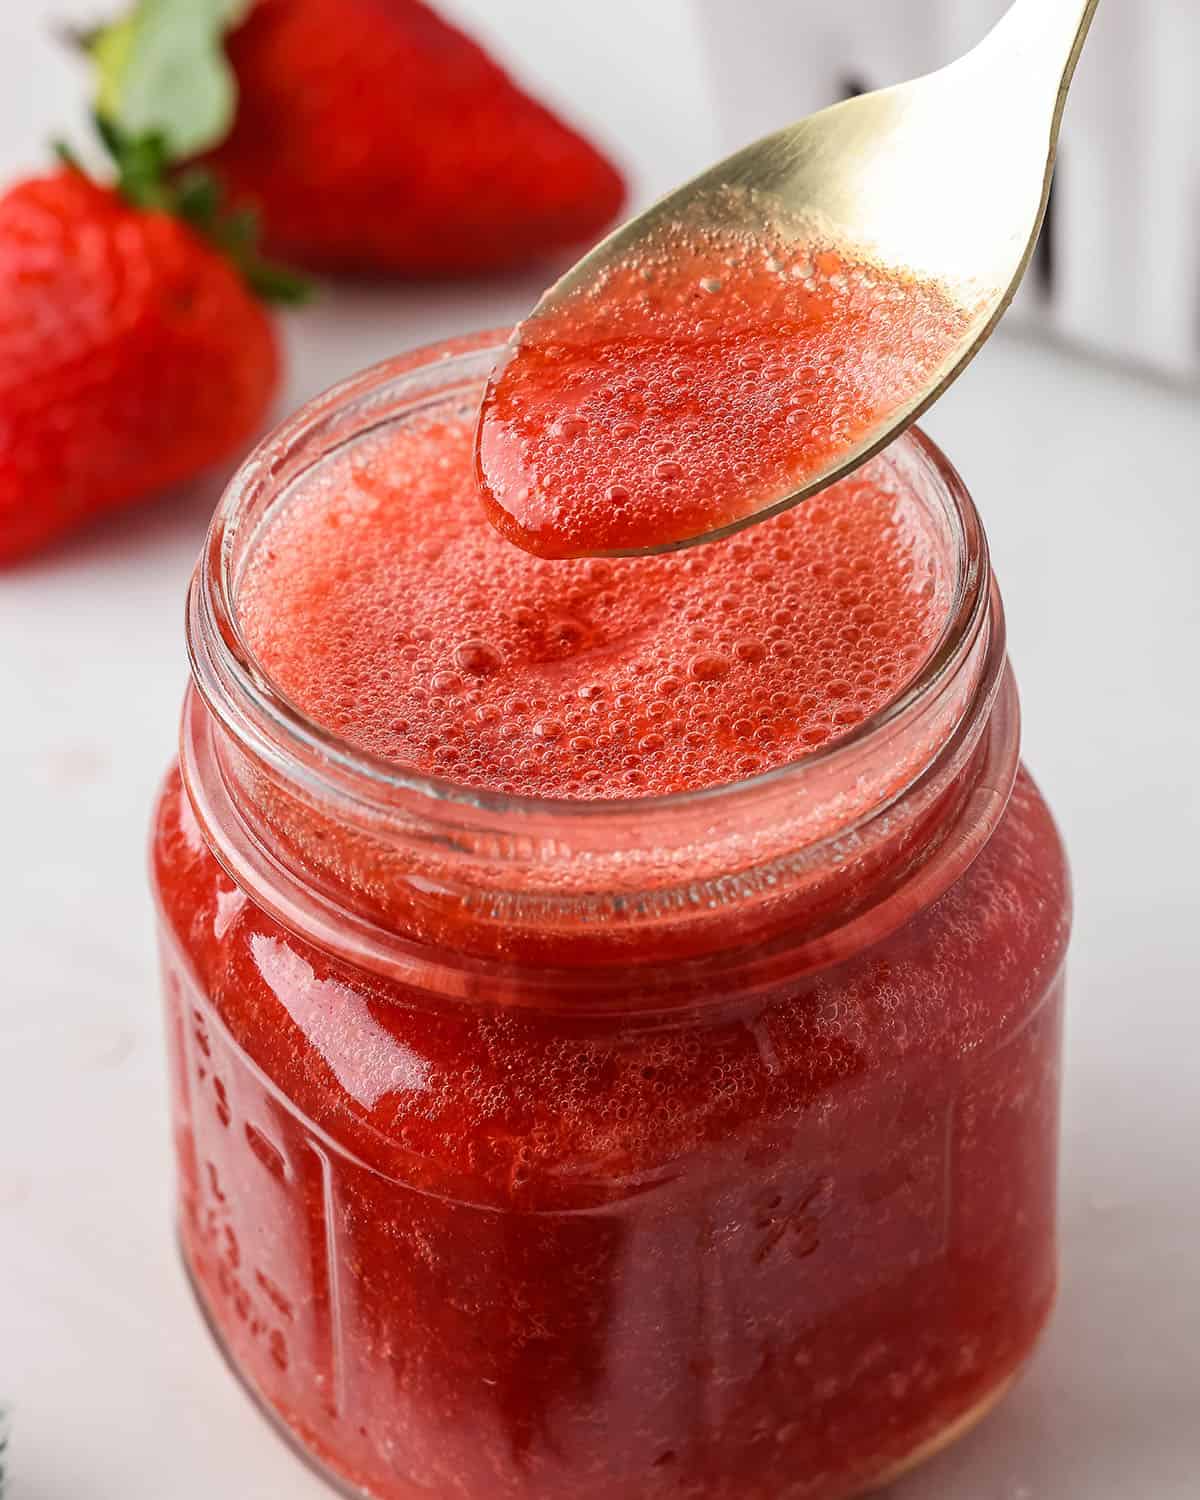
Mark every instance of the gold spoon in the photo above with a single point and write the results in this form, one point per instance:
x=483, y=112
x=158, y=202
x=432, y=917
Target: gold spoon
x=945, y=178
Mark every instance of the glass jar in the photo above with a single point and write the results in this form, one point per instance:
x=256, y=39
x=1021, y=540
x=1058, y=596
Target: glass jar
x=698, y=1145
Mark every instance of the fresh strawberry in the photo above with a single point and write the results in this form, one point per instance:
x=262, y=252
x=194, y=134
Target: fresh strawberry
x=132, y=354
x=376, y=138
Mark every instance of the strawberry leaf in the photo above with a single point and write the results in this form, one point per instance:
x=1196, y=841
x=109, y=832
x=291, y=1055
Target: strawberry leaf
x=273, y=283
x=162, y=71
x=198, y=199
x=67, y=154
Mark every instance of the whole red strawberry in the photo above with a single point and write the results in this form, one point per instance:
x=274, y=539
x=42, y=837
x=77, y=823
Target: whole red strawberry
x=376, y=138
x=132, y=356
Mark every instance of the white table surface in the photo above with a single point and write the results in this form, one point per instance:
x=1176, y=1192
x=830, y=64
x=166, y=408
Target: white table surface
x=1087, y=480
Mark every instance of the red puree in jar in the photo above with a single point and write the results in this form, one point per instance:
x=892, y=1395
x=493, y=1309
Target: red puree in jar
x=700, y=1147
x=388, y=609
x=697, y=384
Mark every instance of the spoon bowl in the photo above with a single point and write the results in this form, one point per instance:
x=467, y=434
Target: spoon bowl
x=943, y=179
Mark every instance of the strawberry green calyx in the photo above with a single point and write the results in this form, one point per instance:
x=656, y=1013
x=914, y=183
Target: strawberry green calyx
x=199, y=200
x=144, y=179
x=165, y=92
x=162, y=71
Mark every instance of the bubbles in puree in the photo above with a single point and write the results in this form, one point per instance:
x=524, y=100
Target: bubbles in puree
x=384, y=604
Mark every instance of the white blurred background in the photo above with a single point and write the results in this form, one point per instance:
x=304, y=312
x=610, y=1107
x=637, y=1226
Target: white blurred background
x=1086, y=476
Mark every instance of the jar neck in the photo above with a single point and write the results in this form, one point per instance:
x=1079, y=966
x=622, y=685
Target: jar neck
x=469, y=893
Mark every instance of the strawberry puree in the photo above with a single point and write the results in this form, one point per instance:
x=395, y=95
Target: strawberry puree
x=695, y=385
x=390, y=611
x=631, y=1152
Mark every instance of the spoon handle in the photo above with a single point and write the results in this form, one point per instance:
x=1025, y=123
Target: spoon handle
x=1043, y=40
